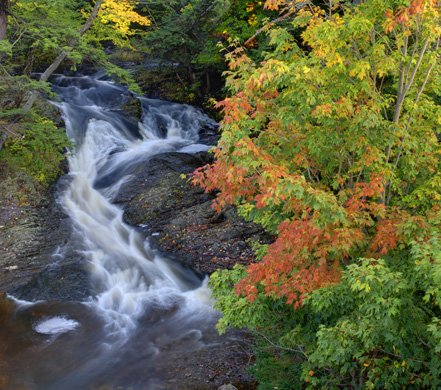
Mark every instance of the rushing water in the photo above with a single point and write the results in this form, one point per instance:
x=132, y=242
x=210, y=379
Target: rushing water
x=147, y=308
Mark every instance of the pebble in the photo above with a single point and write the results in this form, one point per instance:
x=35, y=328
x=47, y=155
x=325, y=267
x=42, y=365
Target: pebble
x=227, y=387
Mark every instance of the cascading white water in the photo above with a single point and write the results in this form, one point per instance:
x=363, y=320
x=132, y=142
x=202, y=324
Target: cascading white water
x=131, y=277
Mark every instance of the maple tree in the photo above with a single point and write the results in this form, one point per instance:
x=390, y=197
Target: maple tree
x=324, y=146
x=330, y=142
x=118, y=20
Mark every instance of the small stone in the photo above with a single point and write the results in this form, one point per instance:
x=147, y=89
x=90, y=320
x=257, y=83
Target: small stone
x=11, y=268
x=227, y=387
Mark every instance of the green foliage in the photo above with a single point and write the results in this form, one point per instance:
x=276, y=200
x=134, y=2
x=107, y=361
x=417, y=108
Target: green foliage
x=182, y=40
x=123, y=76
x=5, y=48
x=14, y=89
x=379, y=334
x=378, y=328
x=260, y=250
x=182, y=28
x=275, y=369
x=236, y=310
x=31, y=146
x=40, y=29
x=188, y=38
x=119, y=74
x=37, y=150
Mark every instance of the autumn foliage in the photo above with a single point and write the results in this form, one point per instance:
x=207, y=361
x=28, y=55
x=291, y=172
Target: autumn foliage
x=122, y=15
x=321, y=141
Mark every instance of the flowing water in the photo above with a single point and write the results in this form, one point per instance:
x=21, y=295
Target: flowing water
x=147, y=308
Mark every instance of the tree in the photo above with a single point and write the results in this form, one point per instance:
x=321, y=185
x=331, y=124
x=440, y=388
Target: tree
x=40, y=36
x=4, y=7
x=185, y=37
x=181, y=32
x=330, y=143
x=324, y=145
x=120, y=15
x=63, y=55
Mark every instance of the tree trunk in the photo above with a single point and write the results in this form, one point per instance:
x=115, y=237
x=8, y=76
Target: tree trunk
x=54, y=66
x=208, y=86
x=4, y=7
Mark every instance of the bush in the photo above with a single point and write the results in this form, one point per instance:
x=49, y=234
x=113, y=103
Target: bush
x=36, y=150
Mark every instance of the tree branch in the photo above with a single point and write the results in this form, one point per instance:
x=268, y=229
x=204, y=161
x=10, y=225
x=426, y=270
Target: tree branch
x=61, y=57
x=291, y=11
x=402, y=94
x=279, y=346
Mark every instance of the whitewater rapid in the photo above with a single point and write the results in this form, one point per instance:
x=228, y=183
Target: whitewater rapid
x=131, y=276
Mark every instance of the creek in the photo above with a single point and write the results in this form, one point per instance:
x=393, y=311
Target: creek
x=146, y=309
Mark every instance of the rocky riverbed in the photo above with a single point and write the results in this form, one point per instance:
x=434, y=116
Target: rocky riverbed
x=36, y=263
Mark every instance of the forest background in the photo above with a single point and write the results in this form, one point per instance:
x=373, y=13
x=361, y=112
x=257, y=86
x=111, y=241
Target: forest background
x=330, y=139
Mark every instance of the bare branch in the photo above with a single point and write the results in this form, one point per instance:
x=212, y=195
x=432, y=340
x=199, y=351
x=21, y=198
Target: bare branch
x=280, y=347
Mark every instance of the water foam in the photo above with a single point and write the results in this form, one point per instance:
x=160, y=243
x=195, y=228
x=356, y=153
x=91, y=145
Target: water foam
x=56, y=325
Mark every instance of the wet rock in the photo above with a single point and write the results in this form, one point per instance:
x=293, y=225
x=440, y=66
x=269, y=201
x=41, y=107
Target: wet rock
x=224, y=360
x=209, y=135
x=61, y=282
x=132, y=107
x=36, y=261
x=179, y=217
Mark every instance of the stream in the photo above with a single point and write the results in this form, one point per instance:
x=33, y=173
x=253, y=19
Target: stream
x=146, y=309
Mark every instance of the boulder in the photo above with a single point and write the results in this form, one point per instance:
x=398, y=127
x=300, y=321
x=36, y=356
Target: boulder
x=178, y=217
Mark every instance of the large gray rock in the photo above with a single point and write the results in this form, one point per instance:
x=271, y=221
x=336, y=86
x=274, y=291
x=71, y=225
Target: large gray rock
x=179, y=218
x=180, y=221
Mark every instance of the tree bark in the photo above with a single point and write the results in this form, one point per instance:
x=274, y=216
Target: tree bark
x=4, y=7
x=61, y=57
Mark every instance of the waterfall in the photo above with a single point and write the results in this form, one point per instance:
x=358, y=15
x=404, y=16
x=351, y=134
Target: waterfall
x=130, y=275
